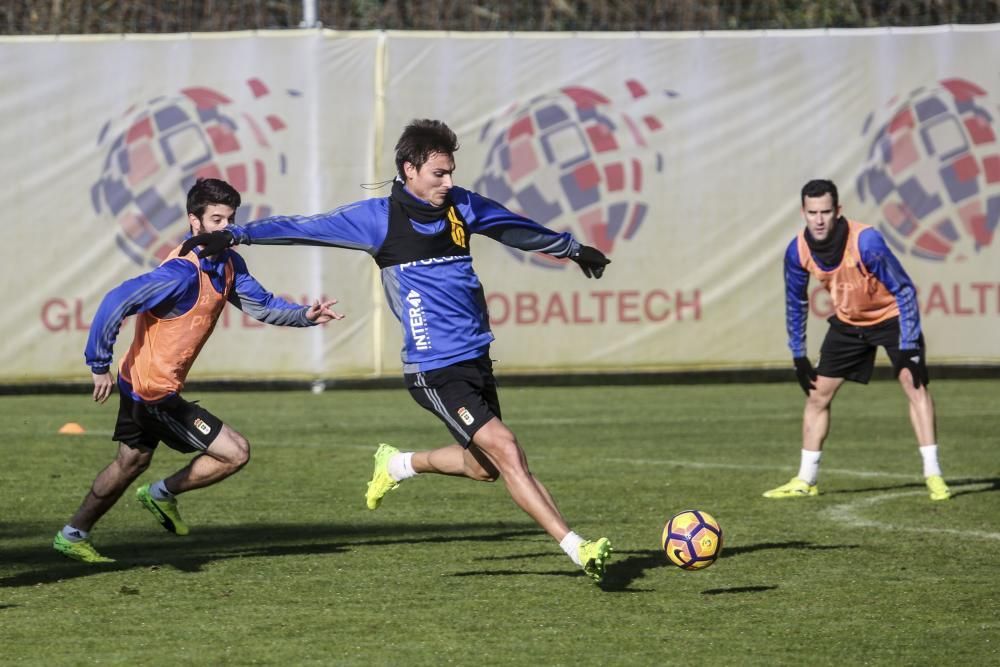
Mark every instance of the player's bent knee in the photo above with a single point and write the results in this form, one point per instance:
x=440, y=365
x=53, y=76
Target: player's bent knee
x=230, y=448
x=818, y=400
x=241, y=455
x=134, y=462
x=506, y=452
x=139, y=466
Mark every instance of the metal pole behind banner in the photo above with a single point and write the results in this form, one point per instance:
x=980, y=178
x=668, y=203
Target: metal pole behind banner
x=309, y=14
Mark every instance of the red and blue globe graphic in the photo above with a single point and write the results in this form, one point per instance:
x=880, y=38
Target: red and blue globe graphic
x=155, y=152
x=575, y=161
x=933, y=169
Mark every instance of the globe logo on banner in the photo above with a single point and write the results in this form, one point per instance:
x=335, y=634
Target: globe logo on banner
x=575, y=161
x=157, y=151
x=933, y=168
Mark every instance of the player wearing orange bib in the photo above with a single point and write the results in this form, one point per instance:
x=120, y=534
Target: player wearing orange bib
x=176, y=307
x=875, y=306
x=159, y=364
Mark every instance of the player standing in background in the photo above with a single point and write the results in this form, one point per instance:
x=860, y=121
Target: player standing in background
x=419, y=236
x=875, y=306
x=177, y=304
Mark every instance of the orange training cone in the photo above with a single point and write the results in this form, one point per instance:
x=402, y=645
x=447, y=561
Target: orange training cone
x=71, y=428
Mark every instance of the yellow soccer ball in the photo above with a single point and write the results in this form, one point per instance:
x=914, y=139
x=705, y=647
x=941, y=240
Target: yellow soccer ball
x=692, y=539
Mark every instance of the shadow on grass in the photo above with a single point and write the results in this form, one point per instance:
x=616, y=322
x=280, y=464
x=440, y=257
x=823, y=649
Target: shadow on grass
x=957, y=490
x=627, y=567
x=738, y=589
x=212, y=544
x=956, y=486
x=621, y=574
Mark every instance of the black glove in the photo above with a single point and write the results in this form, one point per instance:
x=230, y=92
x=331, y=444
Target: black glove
x=211, y=244
x=806, y=374
x=913, y=361
x=591, y=260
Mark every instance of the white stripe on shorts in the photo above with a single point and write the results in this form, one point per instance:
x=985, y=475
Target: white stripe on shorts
x=439, y=408
x=178, y=428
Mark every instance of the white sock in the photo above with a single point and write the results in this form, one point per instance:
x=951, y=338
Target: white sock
x=159, y=491
x=401, y=466
x=809, y=466
x=74, y=534
x=571, y=545
x=929, y=454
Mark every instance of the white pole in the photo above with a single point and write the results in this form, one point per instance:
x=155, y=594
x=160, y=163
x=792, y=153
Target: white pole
x=309, y=14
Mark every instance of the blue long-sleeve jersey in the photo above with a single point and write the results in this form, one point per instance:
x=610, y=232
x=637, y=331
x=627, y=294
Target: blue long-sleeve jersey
x=438, y=302
x=170, y=290
x=879, y=260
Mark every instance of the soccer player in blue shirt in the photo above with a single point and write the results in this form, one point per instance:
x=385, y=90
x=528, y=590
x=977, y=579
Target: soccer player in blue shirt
x=875, y=305
x=176, y=307
x=419, y=236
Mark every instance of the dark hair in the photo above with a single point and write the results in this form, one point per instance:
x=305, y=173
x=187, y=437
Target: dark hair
x=422, y=138
x=207, y=191
x=819, y=187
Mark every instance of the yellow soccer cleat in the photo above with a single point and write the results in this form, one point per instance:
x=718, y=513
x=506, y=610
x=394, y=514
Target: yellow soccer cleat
x=796, y=488
x=381, y=482
x=81, y=550
x=594, y=555
x=165, y=511
x=939, y=490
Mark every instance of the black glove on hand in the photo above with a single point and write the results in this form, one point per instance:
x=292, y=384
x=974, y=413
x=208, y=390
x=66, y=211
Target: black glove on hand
x=806, y=374
x=591, y=260
x=913, y=361
x=211, y=244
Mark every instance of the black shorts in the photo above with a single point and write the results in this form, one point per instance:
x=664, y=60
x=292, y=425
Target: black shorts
x=463, y=395
x=186, y=427
x=849, y=352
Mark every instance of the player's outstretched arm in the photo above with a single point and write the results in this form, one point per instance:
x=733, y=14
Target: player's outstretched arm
x=321, y=313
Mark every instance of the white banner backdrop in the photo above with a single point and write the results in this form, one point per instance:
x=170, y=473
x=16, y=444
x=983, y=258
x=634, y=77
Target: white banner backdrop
x=680, y=155
x=101, y=140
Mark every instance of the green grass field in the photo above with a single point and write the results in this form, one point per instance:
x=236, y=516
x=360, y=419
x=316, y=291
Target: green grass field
x=285, y=566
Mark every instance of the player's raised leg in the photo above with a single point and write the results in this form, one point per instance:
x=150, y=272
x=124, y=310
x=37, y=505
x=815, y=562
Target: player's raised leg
x=225, y=456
